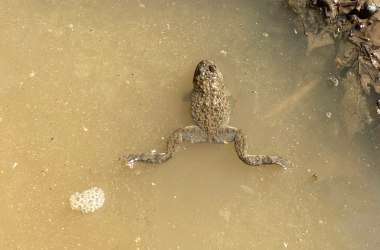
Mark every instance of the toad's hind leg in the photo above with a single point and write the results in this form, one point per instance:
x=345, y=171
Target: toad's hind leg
x=237, y=135
x=188, y=134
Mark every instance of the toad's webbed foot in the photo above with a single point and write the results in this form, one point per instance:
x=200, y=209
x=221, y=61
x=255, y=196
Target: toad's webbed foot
x=188, y=134
x=240, y=139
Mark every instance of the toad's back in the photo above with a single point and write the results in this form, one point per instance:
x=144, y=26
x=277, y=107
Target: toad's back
x=210, y=108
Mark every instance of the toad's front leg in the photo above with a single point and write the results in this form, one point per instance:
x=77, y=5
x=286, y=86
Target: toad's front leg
x=240, y=139
x=191, y=134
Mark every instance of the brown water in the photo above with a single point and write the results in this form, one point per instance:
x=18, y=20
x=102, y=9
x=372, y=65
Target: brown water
x=85, y=82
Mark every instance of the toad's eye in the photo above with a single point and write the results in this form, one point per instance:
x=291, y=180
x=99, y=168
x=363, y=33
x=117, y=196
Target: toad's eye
x=212, y=68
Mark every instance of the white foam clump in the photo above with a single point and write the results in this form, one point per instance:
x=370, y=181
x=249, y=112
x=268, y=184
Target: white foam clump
x=87, y=201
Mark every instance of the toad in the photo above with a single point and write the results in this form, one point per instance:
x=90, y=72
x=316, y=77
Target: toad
x=210, y=110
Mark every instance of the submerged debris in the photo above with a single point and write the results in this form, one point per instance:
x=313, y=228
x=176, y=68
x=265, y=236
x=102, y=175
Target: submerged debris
x=315, y=177
x=334, y=81
x=354, y=28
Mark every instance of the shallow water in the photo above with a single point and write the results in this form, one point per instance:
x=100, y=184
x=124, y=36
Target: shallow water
x=85, y=82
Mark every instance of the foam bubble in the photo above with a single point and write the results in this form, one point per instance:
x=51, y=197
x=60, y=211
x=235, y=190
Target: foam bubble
x=87, y=201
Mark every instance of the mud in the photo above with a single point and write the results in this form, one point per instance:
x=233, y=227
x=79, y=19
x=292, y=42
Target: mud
x=353, y=29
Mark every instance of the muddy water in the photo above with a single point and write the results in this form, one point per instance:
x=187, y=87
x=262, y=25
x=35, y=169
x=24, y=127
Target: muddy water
x=84, y=82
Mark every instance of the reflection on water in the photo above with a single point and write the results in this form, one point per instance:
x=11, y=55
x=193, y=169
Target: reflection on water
x=83, y=83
